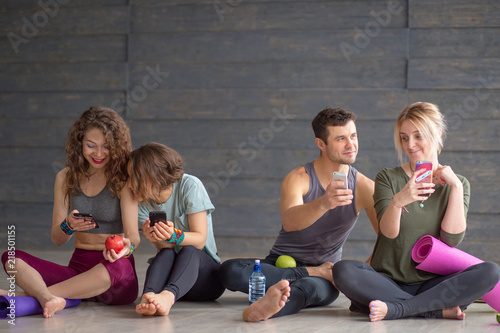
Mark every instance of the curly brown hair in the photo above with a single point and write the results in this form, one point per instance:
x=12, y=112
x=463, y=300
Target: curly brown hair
x=157, y=163
x=117, y=136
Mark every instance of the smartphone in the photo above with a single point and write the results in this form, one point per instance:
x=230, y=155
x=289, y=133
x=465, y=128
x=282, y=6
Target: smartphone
x=87, y=217
x=157, y=216
x=425, y=177
x=337, y=175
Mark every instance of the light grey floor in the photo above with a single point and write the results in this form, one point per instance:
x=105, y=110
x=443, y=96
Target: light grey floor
x=225, y=316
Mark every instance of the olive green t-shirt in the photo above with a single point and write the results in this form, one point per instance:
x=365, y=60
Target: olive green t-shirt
x=392, y=257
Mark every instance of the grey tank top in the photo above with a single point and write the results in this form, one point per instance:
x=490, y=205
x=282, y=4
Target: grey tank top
x=323, y=240
x=105, y=207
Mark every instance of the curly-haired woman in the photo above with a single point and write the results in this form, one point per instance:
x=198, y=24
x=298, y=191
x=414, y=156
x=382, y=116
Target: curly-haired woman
x=93, y=182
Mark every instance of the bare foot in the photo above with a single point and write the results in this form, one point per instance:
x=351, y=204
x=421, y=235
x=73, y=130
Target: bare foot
x=324, y=270
x=272, y=302
x=163, y=302
x=454, y=313
x=51, y=304
x=378, y=310
x=145, y=307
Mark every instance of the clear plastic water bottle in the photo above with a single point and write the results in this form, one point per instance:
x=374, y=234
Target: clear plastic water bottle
x=256, y=283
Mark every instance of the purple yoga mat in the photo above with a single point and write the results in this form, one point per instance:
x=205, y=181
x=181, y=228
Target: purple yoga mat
x=25, y=306
x=436, y=257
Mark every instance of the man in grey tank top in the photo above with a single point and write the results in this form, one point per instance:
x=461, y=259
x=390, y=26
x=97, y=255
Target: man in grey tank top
x=317, y=216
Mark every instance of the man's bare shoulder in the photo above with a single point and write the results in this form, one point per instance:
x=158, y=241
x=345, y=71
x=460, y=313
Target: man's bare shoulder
x=295, y=184
x=297, y=174
x=364, y=185
x=296, y=180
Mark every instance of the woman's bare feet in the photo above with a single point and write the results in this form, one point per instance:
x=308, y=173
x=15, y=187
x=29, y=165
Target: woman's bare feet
x=272, y=302
x=51, y=304
x=324, y=270
x=454, y=313
x=145, y=307
x=378, y=310
x=163, y=302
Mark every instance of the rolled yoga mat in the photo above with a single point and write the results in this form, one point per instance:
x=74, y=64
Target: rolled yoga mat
x=434, y=256
x=25, y=306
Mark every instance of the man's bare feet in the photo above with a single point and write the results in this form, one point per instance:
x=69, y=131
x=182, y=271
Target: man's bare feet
x=378, y=310
x=145, y=307
x=51, y=304
x=163, y=302
x=272, y=302
x=454, y=313
x=324, y=270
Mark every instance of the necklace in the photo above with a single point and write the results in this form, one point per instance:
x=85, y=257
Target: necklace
x=412, y=172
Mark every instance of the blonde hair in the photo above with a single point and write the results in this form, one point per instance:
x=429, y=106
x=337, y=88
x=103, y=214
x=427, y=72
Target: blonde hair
x=427, y=119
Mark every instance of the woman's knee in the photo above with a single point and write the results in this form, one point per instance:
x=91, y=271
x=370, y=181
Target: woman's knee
x=491, y=271
x=188, y=249
x=10, y=258
x=8, y=255
x=101, y=272
x=5, y=259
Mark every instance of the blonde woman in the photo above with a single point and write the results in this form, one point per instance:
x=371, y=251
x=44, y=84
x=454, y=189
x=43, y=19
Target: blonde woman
x=392, y=287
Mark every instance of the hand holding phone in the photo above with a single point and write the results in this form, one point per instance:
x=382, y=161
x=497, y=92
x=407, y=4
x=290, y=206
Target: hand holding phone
x=86, y=217
x=337, y=175
x=426, y=176
x=157, y=216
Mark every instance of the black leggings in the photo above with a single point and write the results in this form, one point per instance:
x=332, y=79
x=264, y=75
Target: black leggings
x=306, y=291
x=190, y=274
x=362, y=284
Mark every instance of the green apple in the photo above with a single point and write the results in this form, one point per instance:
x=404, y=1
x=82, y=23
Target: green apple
x=285, y=262
x=498, y=317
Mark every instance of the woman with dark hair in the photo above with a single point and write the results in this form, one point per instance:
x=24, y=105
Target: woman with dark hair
x=186, y=266
x=93, y=182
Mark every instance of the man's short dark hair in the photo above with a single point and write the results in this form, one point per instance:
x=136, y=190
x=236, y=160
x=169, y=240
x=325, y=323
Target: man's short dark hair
x=330, y=116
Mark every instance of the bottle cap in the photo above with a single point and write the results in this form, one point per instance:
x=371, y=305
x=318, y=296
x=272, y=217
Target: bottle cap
x=257, y=261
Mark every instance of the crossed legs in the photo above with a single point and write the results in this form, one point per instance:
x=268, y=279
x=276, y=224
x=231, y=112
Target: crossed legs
x=441, y=297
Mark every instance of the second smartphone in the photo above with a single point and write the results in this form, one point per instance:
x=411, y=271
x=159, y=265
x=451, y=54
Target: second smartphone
x=157, y=216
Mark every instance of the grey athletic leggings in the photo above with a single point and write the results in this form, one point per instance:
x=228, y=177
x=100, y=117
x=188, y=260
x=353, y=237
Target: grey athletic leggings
x=362, y=284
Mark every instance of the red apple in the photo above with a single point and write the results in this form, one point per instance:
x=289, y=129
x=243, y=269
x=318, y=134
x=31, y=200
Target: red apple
x=114, y=242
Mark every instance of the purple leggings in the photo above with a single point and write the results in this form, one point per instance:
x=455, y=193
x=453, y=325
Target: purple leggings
x=124, y=284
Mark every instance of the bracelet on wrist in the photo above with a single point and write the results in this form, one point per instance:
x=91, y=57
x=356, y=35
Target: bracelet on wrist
x=177, y=237
x=132, y=249
x=400, y=207
x=66, y=228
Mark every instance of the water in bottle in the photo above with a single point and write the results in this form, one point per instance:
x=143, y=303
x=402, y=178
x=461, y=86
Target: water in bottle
x=256, y=283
